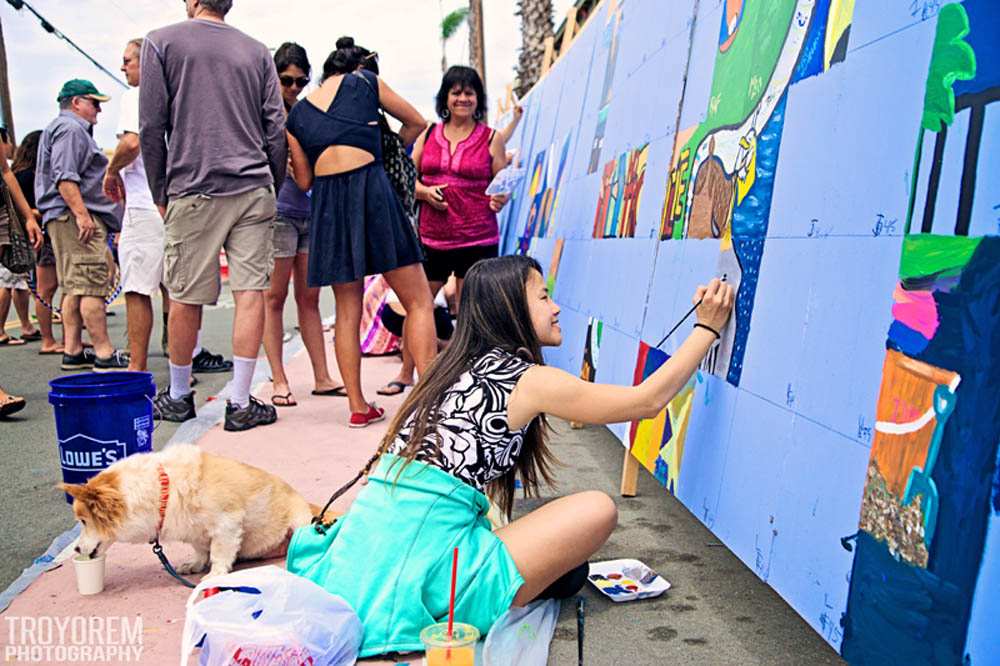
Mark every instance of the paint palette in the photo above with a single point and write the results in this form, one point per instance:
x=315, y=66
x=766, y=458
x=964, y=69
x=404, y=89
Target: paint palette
x=626, y=580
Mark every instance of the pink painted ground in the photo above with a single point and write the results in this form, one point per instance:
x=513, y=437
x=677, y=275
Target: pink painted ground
x=310, y=447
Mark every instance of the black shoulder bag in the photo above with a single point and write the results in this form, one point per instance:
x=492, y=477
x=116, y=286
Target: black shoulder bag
x=399, y=167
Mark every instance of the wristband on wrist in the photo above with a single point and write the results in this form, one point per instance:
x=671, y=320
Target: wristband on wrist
x=709, y=329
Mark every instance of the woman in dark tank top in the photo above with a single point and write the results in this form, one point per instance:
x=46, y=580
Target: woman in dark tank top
x=358, y=226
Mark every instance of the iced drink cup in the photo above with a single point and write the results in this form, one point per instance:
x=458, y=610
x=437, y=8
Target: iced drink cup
x=89, y=574
x=458, y=650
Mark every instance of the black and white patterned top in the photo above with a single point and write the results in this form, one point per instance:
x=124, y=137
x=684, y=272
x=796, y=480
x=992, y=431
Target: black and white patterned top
x=476, y=446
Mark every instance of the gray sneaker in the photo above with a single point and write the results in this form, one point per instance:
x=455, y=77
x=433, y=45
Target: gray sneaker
x=82, y=361
x=256, y=413
x=166, y=408
x=117, y=361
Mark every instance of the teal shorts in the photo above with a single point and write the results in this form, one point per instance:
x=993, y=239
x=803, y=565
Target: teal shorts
x=390, y=556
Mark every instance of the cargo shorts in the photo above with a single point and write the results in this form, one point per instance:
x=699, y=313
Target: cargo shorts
x=198, y=227
x=84, y=268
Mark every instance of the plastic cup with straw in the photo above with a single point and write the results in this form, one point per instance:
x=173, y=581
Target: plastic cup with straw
x=450, y=643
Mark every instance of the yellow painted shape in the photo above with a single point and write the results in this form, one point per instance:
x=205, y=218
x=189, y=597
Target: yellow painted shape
x=838, y=21
x=726, y=241
x=672, y=452
x=745, y=181
x=648, y=435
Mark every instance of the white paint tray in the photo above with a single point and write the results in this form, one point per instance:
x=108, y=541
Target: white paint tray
x=626, y=580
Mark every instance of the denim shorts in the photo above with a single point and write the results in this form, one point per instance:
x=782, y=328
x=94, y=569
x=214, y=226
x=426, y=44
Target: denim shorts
x=291, y=236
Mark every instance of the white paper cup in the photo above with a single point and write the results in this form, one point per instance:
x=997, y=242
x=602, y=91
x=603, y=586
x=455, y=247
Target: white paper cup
x=89, y=574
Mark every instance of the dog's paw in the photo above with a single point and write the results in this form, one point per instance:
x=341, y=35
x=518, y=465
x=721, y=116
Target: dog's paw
x=193, y=567
x=216, y=571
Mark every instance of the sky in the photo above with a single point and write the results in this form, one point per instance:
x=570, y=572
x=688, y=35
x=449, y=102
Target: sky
x=405, y=33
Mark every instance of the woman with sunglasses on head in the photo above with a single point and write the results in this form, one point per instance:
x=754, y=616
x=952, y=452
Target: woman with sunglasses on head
x=472, y=426
x=291, y=254
x=358, y=227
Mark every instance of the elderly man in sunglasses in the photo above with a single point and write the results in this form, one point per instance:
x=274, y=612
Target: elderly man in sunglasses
x=78, y=215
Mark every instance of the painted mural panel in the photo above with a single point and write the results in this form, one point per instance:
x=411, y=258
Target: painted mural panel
x=837, y=164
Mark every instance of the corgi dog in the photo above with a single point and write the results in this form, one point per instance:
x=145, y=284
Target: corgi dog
x=224, y=508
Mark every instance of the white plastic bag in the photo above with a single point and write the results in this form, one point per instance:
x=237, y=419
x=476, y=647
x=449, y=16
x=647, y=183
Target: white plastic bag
x=522, y=636
x=267, y=615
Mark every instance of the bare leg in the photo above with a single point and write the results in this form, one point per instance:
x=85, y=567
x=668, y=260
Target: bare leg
x=311, y=324
x=183, y=325
x=5, y=299
x=458, y=295
x=410, y=284
x=409, y=366
x=47, y=282
x=92, y=310
x=139, y=313
x=347, y=341
x=72, y=324
x=274, y=331
x=20, y=297
x=248, y=323
x=557, y=537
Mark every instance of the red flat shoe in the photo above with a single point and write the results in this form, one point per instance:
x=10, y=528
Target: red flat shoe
x=373, y=415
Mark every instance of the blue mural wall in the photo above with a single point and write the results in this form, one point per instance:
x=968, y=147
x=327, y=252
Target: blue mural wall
x=839, y=164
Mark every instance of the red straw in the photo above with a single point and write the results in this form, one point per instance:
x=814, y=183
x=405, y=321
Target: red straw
x=451, y=603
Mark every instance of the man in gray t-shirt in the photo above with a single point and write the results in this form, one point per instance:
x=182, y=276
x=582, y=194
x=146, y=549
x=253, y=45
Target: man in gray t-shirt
x=212, y=134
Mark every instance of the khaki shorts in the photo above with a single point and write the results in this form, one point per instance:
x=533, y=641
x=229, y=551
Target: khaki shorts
x=198, y=227
x=84, y=268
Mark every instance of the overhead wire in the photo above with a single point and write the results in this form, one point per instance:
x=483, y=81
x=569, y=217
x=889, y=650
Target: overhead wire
x=48, y=27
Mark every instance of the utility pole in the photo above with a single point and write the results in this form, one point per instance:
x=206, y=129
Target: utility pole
x=477, y=39
x=5, y=104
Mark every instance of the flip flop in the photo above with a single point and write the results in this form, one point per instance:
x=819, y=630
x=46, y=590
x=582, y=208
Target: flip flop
x=12, y=405
x=12, y=342
x=336, y=391
x=286, y=400
x=51, y=352
x=399, y=386
x=32, y=337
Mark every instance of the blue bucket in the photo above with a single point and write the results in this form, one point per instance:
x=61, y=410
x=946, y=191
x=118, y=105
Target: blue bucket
x=100, y=419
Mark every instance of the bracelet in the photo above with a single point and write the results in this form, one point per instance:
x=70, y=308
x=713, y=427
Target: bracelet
x=709, y=329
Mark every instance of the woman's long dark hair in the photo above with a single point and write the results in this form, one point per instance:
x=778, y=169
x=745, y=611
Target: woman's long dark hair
x=26, y=157
x=493, y=313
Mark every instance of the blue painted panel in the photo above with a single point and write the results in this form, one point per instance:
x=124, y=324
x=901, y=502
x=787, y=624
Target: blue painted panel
x=815, y=196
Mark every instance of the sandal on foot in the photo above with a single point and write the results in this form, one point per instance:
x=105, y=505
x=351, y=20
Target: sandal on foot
x=51, y=352
x=11, y=342
x=393, y=388
x=283, y=400
x=11, y=405
x=32, y=337
x=336, y=391
x=373, y=415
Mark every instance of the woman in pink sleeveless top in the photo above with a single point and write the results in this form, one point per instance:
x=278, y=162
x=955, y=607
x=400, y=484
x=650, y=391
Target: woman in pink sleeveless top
x=456, y=160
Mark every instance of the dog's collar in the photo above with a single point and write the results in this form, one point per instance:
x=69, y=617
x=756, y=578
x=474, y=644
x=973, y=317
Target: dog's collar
x=164, y=495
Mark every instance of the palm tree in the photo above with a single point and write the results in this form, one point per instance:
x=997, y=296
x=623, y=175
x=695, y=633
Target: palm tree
x=449, y=26
x=536, y=26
